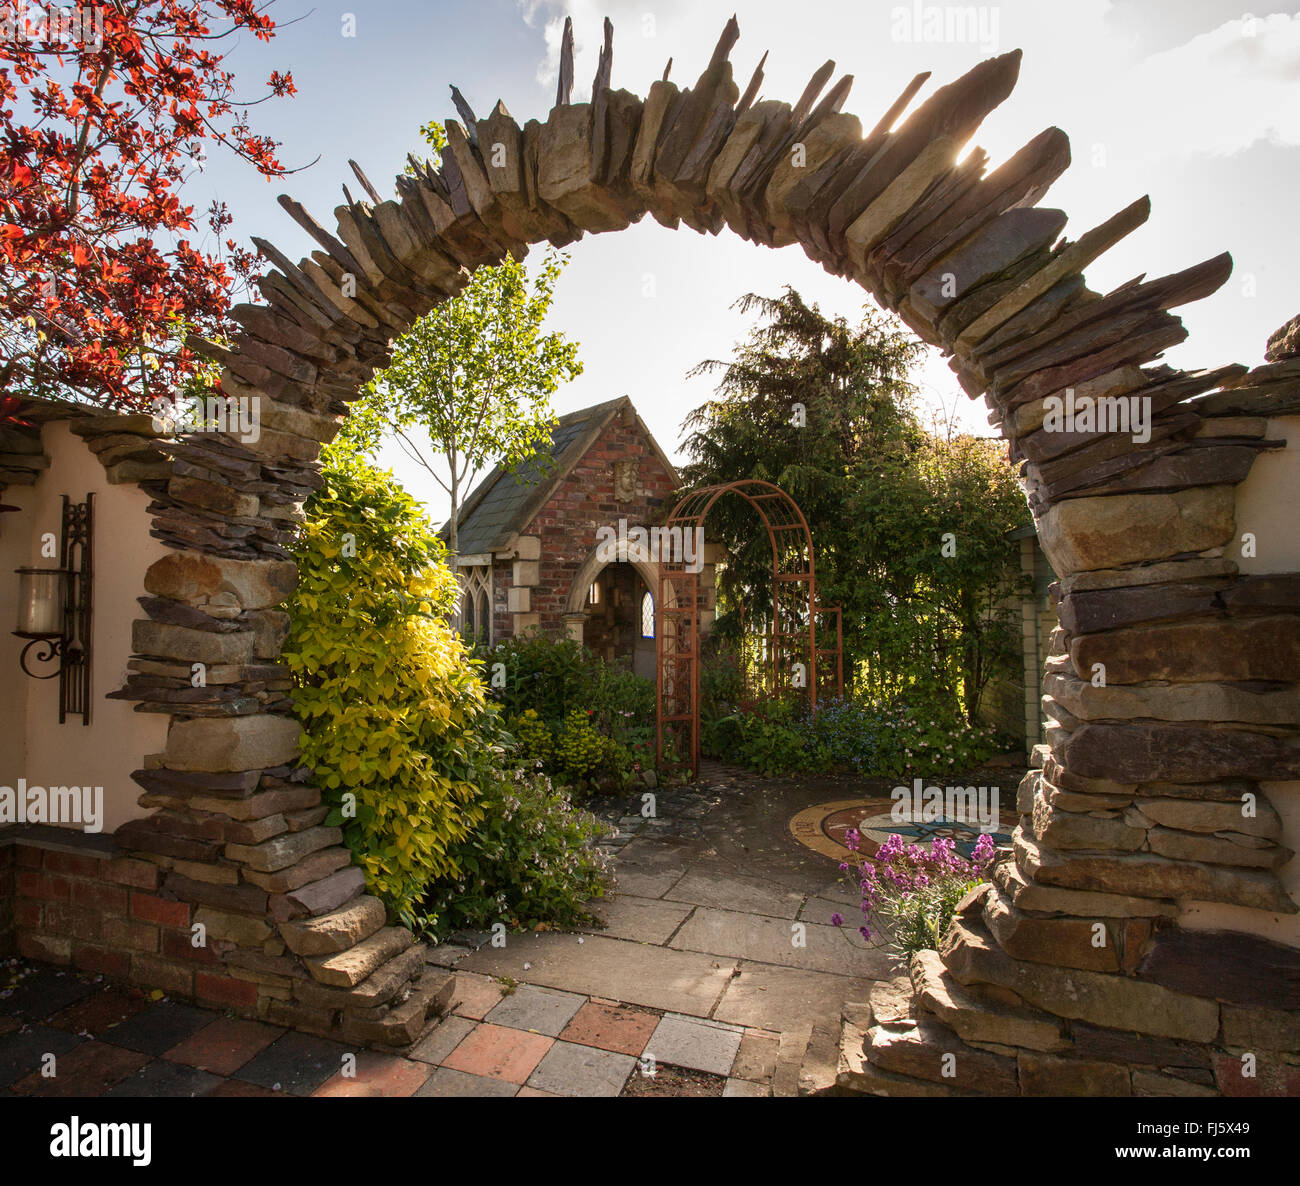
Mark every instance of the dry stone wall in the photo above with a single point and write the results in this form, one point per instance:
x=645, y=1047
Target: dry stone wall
x=1070, y=971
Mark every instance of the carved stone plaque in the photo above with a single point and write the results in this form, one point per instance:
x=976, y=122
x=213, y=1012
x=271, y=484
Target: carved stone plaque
x=625, y=478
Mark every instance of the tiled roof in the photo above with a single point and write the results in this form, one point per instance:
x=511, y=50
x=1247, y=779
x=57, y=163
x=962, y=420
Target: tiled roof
x=503, y=504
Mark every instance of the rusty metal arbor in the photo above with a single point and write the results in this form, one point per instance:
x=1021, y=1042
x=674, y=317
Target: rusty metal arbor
x=793, y=655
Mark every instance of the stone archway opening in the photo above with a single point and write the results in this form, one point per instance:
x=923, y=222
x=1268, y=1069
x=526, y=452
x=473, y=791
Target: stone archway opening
x=605, y=608
x=1131, y=827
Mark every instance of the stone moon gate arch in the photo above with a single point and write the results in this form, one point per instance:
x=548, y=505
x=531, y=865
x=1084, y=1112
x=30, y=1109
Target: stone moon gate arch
x=1076, y=971
x=795, y=657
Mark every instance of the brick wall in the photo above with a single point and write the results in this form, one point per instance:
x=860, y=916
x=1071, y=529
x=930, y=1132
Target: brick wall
x=585, y=501
x=77, y=902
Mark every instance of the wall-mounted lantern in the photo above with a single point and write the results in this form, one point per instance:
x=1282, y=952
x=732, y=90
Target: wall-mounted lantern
x=54, y=609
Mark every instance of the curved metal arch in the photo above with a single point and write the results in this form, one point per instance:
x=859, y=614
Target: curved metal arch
x=794, y=611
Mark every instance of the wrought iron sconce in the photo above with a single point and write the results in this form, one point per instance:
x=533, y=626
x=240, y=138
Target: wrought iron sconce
x=54, y=612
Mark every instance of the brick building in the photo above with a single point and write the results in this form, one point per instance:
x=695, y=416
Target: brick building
x=530, y=554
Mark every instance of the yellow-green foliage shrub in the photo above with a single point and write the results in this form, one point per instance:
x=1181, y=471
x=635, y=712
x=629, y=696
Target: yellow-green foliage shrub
x=534, y=738
x=580, y=748
x=398, y=728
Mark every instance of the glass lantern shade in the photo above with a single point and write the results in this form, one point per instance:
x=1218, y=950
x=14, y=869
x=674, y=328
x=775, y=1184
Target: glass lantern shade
x=41, y=593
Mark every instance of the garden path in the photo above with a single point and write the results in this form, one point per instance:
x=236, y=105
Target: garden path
x=720, y=915
x=717, y=973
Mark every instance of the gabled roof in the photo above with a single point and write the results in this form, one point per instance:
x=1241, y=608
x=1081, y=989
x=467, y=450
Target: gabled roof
x=502, y=505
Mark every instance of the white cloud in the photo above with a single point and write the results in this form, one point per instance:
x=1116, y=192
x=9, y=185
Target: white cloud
x=1229, y=88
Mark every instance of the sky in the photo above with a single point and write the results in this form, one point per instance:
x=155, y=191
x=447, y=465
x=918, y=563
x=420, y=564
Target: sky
x=1189, y=101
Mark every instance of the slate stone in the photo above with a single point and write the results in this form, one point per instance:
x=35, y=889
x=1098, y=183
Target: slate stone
x=189, y=576
x=163, y=1078
x=1178, y=753
x=1284, y=342
x=572, y=1070
x=695, y=1043
x=1091, y=533
x=159, y=1028
x=1242, y=969
x=920, y=1049
x=244, y=743
x=1147, y=875
x=45, y=992
x=1088, y=612
x=22, y=1051
x=1045, y=1075
x=295, y=1064
x=447, y=1082
x=972, y=956
x=531, y=1008
x=1001, y=244
x=977, y=1020
x=160, y=639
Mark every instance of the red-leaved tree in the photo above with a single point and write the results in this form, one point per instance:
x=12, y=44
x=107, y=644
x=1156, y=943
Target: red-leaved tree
x=102, y=118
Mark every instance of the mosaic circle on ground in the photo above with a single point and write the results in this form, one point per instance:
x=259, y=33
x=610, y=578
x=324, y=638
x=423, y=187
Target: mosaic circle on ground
x=822, y=827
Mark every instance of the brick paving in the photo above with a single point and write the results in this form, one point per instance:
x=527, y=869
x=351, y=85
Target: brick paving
x=696, y=977
x=498, y=1040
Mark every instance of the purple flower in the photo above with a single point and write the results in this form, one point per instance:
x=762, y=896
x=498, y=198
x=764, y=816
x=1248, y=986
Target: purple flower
x=837, y=920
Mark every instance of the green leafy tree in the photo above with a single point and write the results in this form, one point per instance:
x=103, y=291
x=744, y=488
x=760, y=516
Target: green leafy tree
x=802, y=400
x=935, y=525
x=826, y=410
x=476, y=375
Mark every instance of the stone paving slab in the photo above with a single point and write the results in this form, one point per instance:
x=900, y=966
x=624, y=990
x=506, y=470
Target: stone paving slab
x=694, y=1043
x=841, y=891
x=160, y=1027
x=787, y=999
x=643, y=882
x=163, y=1078
x=21, y=1051
x=46, y=991
x=639, y=974
x=542, y=1010
x=611, y=1026
x=708, y=884
x=238, y=1089
x=744, y=1088
x=643, y=920
x=296, y=1064
x=819, y=911
x=664, y=853
x=445, y=1037
x=447, y=1082
x=100, y=1012
x=569, y=1069
x=475, y=996
x=498, y=1052
x=376, y=1074
x=86, y=1070
x=224, y=1046
x=756, y=1059
x=770, y=940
